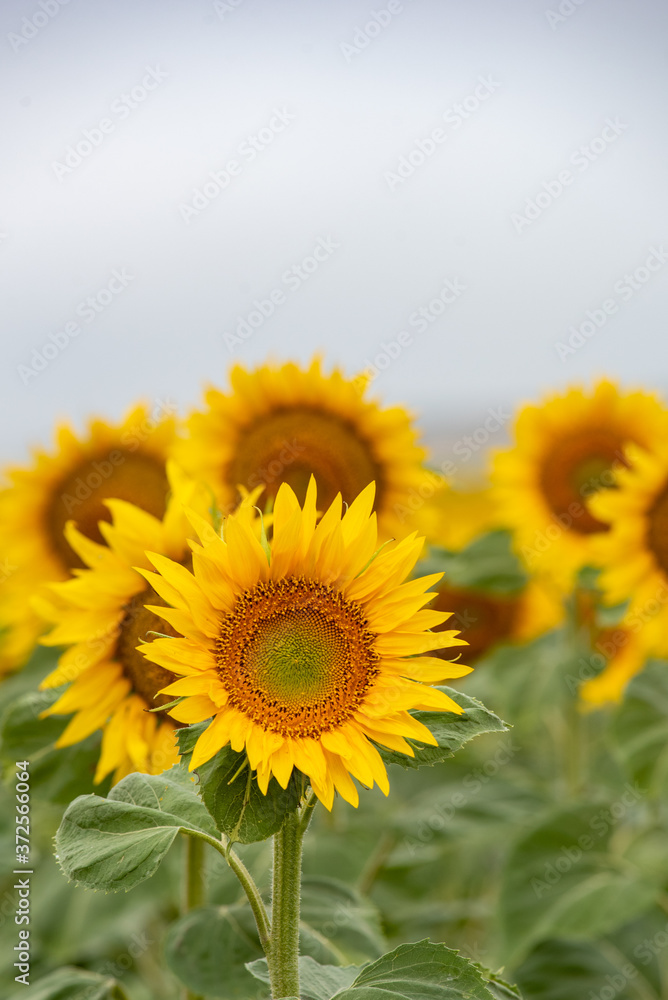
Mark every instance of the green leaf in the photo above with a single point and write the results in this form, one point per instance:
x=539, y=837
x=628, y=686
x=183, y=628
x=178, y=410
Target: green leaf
x=72, y=984
x=530, y=683
x=56, y=775
x=232, y=796
x=209, y=948
x=349, y=922
x=117, y=842
x=420, y=971
x=316, y=981
x=640, y=725
x=556, y=969
x=499, y=988
x=173, y=792
x=560, y=880
x=452, y=731
x=487, y=564
x=187, y=737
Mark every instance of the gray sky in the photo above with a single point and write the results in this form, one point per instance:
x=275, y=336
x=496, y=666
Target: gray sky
x=500, y=166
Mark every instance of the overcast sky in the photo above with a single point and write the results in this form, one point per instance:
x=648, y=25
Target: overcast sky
x=473, y=193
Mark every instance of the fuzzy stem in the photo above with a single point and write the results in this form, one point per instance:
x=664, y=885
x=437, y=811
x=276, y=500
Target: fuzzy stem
x=246, y=880
x=193, y=891
x=193, y=886
x=283, y=954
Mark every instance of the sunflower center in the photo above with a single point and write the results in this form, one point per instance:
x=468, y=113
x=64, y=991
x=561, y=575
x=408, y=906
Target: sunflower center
x=289, y=445
x=147, y=678
x=121, y=474
x=483, y=619
x=576, y=467
x=657, y=532
x=296, y=657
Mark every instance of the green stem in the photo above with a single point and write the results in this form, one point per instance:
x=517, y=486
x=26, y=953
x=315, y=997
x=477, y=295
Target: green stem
x=193, y=886
x=254, y=897
x=572, y=743
x=193, y=890
x=283, y=954
x=247, y=884
x=376, y=863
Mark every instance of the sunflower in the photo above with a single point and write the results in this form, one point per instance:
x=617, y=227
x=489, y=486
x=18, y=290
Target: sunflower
x=99, y=615
x=487, y=619
x=633, y=553
x=624, y=655
x=307, y=650
x=126, y=461
x=453, y=518
x=285, y=423
x=566, y=450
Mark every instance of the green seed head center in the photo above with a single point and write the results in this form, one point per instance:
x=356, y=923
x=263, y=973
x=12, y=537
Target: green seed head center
x=293, y=661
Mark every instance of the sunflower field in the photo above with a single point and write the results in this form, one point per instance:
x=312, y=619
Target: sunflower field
x=285, y=714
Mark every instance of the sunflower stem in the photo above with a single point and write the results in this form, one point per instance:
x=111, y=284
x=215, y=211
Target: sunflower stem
x=193, y=891
x=245, y=878
x=193, y=885
x=283, y=953
x=253, y=896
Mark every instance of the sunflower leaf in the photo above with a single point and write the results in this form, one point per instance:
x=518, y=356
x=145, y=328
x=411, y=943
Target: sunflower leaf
x=567, y=968
x=347, y=920
x=424, y=970
x=56, y=774
x=639, y=728
x=452, y=731
x=118, y=842
x=561, y=880
x=240, y=810
x=70, y=983
x=207, y=941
